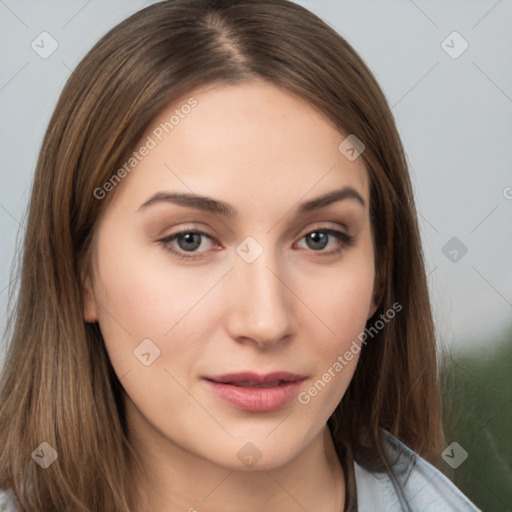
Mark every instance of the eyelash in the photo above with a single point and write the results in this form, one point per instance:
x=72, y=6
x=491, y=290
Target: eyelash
x=345, y=239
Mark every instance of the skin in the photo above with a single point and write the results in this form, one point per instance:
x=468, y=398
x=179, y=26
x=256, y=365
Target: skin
x=295, y=309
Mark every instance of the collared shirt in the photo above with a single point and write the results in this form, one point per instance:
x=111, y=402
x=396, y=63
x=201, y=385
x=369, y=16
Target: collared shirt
x=418, y=486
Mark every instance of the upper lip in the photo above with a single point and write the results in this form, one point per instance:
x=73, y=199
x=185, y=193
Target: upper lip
x=254, y=378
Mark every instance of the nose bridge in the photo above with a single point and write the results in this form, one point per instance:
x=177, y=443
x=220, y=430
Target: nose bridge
x=262, y=308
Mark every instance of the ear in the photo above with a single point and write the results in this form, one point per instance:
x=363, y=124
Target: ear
x=379, y=285
x=90, y=311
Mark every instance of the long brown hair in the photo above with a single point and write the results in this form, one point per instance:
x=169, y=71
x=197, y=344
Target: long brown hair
x=57, y=384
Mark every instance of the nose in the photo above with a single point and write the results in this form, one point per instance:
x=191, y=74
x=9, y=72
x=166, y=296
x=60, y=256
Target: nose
x=261, y=306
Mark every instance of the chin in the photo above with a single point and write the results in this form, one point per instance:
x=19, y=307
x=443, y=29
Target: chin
x=256, y=453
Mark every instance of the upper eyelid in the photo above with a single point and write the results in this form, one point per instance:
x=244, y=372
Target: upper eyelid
x=203, y=232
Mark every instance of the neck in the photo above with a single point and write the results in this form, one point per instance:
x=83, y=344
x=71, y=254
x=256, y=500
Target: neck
x=180, y=481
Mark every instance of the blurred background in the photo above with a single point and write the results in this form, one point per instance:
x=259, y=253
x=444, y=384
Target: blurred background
x=445, y=68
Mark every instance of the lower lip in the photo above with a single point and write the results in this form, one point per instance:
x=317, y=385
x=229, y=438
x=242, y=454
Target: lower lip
x=256, y=399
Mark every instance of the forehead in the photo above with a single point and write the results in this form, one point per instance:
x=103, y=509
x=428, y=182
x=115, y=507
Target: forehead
x=251, y=143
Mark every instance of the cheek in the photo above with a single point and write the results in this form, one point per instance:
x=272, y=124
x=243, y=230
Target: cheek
x=139, y=298
x=340, y=297
x=153, y=327
x=345, y=312
x=340, y=304
x=345, y=303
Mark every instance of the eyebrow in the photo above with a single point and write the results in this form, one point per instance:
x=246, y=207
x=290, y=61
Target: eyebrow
x=214, y=206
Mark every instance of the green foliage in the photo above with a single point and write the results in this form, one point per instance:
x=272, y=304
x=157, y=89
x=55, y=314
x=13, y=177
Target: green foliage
x=477, y=414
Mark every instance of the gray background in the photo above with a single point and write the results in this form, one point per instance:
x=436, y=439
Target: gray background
x=455, y=119
x=454, y=116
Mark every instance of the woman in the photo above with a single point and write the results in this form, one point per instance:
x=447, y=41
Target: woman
x=223, y=303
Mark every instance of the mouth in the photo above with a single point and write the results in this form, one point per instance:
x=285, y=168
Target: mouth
x=252, y=384
x=256, y=393
x=250, y=379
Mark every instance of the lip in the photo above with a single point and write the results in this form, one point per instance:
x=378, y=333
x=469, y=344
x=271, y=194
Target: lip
x=256, y=399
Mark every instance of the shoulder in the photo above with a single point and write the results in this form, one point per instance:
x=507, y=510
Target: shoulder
x=414, y=485
x=8, y=502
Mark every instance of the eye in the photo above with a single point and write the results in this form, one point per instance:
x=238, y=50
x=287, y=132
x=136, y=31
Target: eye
x=319, y=238
x=191, y=240
x=187, y=241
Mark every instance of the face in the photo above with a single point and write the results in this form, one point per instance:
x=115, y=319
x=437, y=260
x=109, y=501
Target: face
x=261, y=277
